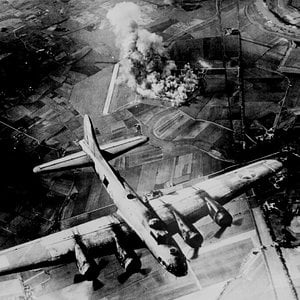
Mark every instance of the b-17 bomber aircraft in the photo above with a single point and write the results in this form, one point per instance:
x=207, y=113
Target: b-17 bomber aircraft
x=137, y=222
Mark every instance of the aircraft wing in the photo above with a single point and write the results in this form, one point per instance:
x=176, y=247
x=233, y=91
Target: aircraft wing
x=226, y=186
x=189, y=201
x=97, y=235
x=81, y=159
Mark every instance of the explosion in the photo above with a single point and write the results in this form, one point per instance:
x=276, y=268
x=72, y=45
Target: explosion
x=144, y=62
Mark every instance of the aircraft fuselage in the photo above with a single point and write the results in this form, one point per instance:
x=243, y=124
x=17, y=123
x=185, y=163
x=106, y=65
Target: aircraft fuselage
x=141, y=218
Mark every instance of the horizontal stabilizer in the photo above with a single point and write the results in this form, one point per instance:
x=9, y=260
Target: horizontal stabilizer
x=81, y=159
x=113, y=150
x=76, y=160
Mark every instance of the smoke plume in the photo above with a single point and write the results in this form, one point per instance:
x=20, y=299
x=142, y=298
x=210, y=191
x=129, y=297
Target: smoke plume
x=144, y=62
x=204, y=64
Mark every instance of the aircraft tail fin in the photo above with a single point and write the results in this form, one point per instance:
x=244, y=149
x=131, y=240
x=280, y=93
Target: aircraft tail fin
x=89, y=134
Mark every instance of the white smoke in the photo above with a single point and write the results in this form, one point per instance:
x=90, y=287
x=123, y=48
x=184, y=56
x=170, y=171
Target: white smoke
x=145, y=65
x=204, y=64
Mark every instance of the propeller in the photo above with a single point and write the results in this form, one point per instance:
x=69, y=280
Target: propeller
x=220, y=232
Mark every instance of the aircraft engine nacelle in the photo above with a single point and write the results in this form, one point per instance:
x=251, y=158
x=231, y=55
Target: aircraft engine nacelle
x=218, y=213
x=87, y=267
x=188, y=232
x=127, y=257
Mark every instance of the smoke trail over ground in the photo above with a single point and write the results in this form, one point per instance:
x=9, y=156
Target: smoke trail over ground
x=145, y=65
